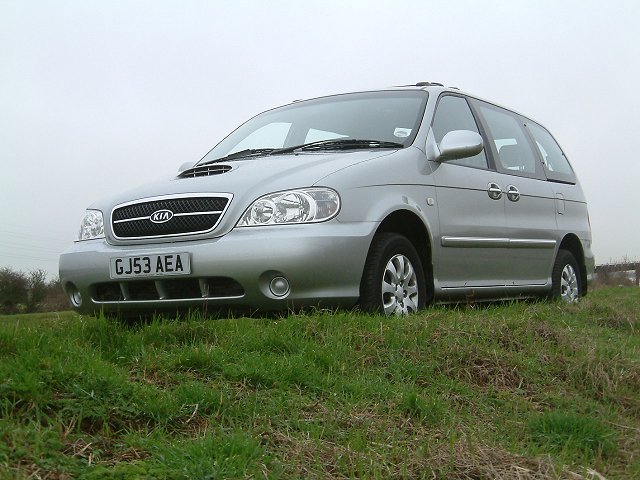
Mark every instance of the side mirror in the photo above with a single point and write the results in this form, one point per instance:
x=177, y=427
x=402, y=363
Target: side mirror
x=186, y=166
x=459, y=144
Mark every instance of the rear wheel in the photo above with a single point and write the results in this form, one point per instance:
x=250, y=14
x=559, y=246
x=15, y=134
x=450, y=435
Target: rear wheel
x=393, y=281
x=566, y=283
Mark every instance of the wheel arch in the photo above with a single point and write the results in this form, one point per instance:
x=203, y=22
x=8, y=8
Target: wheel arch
x=572, y=243
x=408, y=224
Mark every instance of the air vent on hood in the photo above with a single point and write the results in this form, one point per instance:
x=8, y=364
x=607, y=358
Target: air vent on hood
x=205, y=170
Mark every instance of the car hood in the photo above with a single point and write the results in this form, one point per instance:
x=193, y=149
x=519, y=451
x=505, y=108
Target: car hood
x=249, y=179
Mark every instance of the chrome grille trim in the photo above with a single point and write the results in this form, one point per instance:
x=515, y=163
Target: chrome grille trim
x=164, y=202
x=187, y=214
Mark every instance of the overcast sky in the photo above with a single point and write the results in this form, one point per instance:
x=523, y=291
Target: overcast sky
x=100, y=96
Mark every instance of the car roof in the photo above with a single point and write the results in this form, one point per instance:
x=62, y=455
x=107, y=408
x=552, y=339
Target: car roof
x=435, y=88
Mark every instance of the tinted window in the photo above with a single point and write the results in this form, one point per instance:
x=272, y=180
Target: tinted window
x=453, y=113
x=510, y=141
x=556, y=165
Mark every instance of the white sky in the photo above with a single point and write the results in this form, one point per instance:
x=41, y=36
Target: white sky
x=100, y=96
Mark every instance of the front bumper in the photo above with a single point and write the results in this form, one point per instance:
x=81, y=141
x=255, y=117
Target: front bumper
x=322, y=263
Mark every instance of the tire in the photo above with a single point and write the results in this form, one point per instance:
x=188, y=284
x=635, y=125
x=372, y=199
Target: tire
x=566, y=281
x=393, y=281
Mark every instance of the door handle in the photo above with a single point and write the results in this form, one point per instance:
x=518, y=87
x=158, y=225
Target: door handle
x=513, y=193
x=494, y=191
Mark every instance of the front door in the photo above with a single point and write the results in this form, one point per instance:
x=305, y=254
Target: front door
x=472, y=247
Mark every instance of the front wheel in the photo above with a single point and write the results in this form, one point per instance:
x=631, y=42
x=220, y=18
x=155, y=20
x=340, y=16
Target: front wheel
x=566, y=283
x=393, y=281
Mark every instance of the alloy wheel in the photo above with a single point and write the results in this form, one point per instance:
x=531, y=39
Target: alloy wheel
x=399, y=287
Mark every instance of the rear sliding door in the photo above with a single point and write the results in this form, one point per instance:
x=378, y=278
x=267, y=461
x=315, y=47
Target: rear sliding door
x=530, y=203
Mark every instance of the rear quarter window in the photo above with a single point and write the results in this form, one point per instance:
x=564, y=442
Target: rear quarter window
x=556, y=165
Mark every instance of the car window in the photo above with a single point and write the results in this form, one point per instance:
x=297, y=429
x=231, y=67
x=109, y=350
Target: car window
x=510, y=141
x=453, y=113
x=555, y=164
x=390, y=116
x=315, y=135
x=271, y=135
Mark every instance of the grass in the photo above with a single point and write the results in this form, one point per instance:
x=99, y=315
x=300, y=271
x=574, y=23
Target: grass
x=517, y=390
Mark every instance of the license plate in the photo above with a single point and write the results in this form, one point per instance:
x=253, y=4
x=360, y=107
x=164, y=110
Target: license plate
x=150, y=265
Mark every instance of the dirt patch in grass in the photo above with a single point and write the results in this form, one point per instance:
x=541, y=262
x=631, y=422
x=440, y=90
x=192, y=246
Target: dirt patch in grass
x=612, y=316
x=100, y=450
x=484, y=369
x=460, y=460
x=611, y=380
x=34, y=472
x=469, y=461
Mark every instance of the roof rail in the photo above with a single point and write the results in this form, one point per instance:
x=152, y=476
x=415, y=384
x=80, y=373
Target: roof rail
x=422, y=84
x=429, y=84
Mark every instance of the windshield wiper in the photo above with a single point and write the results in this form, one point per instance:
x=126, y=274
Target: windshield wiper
x=339, y=144
x=332, y=144
x=249, y=152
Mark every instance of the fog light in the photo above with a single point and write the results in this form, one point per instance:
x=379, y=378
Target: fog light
x=279, y=286
x=74, y=296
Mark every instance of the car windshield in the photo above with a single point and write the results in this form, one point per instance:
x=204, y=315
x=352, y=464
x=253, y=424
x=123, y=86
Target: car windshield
x=381, y=119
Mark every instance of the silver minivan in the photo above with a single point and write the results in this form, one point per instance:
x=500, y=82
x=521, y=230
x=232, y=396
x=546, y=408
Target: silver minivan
x=388, y=200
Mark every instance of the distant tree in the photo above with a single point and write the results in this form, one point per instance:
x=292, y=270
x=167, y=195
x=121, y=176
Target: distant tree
x=14, y=290
x=37, y=289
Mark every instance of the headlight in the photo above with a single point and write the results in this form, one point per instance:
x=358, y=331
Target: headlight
x=92, y=225
x=306, y=205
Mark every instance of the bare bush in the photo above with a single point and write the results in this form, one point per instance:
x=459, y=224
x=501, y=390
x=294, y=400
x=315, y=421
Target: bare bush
x=37, y=281
x=607, y=278
x=26, y=293
x=55, y=300
x=14, y=291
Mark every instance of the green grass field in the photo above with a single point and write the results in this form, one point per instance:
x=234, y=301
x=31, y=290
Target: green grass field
x=518, y=390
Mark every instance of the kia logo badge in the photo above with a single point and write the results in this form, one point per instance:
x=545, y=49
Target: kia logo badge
x=161, y=216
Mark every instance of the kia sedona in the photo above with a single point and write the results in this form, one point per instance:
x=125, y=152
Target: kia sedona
x=386, y=200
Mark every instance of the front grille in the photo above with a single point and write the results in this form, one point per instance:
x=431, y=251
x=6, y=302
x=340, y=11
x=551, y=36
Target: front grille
x=205, y=171
x=169, y=289
x=188, y=215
